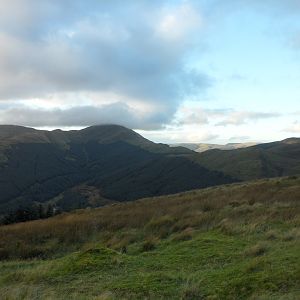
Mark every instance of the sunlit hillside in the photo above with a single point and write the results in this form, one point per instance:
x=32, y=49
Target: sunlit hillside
x=227, y=242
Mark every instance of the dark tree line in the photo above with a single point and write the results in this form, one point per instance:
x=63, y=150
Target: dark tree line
x=34, y=212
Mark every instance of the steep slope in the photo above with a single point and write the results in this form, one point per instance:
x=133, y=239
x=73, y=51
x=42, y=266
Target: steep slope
x=264, y=160
x=42, y=166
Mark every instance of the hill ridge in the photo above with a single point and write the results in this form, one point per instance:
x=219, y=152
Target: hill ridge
x=99, y=164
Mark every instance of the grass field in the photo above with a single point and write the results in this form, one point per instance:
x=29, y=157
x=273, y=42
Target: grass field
x=238, y=241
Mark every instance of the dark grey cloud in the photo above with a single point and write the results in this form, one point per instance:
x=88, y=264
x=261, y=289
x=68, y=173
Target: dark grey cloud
x=135, y=50
x=116, y=113
x=51, y=46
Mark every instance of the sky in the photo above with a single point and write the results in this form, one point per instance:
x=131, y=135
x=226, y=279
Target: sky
x=213, y=71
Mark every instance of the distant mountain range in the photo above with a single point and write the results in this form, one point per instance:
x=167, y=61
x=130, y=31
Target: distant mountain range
x=110, y=163
x=202, y=147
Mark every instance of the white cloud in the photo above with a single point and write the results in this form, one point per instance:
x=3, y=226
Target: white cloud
x=293, y=128
x=76, y=48
x=189, y=134
x=177, y=23
x=63, y=57
x=195, y=115
x=242, y=117
x=116, y=113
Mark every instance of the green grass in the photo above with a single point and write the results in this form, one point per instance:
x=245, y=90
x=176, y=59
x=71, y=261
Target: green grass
x=218, y=243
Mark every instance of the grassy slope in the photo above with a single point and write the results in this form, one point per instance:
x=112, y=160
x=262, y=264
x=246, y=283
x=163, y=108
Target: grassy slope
x=261, y=161
x=232, y=242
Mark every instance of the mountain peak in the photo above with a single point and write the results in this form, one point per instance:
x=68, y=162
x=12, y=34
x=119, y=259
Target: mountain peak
x=103, y=134
x=110, y=133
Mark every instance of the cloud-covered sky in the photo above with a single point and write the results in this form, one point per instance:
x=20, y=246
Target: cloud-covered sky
x=176, y=71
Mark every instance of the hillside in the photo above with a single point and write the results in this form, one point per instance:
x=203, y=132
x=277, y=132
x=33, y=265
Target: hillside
x=64, y=170
x=261, y=161
x=202, y=147
x=38, y=166
x=227, y=242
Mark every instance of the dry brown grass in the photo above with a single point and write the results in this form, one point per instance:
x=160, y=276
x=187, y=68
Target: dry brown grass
x=229, y=207
x=185, y=235
x=257, y=250
x=149, y=244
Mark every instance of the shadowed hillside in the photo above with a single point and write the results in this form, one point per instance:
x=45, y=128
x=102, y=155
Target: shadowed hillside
x=49, y=168
x=44, y=167
x=227, y=242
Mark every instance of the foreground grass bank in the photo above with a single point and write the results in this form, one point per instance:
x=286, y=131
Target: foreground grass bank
x=238, y=241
